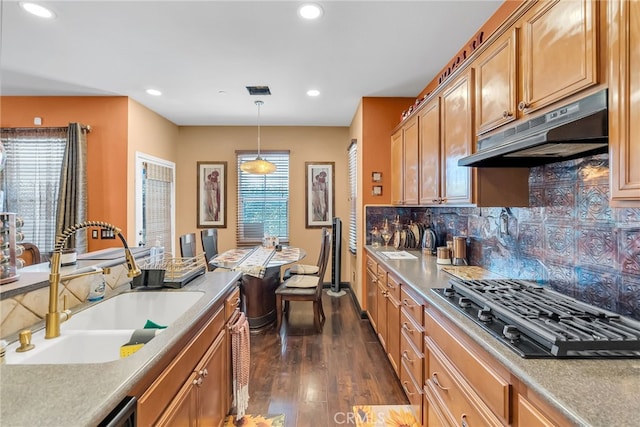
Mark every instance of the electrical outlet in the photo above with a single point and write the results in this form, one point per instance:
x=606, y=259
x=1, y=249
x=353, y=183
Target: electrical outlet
x=94, y=234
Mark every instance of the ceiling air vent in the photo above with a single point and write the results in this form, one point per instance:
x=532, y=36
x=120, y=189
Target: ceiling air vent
x=259, y=90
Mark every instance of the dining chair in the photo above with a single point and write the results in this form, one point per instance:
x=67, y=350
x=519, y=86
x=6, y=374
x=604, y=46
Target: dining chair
x=305, y=287
x=188, y=245
x=209, y=237
x=307, y=268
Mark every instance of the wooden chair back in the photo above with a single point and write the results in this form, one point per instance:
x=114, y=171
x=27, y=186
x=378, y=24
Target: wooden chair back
x=31, y=254
x=323, y=261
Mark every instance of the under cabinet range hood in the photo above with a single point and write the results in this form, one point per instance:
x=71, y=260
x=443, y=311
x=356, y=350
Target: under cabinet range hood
x=575, y=130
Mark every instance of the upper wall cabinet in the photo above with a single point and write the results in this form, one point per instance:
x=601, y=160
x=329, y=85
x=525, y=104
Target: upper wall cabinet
x=496, y=84
x=404, y=164
x=558, y=51
x=429, y=142
x=624, y=102
x=551, y=51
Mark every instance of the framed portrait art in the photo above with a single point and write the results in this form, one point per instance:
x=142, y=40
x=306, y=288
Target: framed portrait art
x=212, y=194
x=319, y=194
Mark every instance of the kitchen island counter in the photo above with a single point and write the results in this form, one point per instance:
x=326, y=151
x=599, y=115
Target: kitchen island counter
x=589, y=392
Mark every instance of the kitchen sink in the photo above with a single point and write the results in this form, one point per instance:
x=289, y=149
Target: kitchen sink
x=132, y=310
x=95, y=334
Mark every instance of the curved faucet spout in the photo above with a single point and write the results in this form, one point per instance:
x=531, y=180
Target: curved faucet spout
x=54, y=317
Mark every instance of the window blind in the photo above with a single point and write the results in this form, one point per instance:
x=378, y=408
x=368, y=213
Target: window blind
x=353, y=194
x=263, y=200
x=156, y=201
x=31, y=180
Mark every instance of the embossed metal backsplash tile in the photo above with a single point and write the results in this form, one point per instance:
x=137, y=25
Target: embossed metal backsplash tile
x=569, y=237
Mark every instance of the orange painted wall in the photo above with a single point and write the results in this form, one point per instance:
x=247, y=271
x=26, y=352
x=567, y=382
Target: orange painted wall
x=379, y=117
x=106, y=151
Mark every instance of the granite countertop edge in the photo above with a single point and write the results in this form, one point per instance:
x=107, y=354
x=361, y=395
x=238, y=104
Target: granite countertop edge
x=612, y=383
x=84, y=394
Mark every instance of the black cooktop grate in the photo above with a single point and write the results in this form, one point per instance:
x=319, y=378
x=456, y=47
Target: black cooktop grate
x=563, y=325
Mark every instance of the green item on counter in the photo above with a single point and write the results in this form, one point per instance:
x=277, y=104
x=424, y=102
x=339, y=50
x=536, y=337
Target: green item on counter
x=153, y=325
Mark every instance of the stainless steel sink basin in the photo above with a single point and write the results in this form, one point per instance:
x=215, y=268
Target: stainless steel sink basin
x=95, y=335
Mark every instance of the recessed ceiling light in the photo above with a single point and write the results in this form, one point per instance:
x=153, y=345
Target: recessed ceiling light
x=154, y=92
x=313, y=92
x=310, y=11
x=38, y=10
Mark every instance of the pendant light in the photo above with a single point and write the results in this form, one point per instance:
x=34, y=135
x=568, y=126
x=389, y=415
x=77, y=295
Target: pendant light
x=259, y=166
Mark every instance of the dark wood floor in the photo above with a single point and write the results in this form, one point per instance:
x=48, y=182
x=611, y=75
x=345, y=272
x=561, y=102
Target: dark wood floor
x=315, y=379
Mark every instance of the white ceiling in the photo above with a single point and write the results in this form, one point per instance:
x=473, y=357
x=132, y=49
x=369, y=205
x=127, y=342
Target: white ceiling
x=193, y=50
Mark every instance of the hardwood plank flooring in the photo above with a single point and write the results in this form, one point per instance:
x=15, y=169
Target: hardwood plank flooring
x=316, y=378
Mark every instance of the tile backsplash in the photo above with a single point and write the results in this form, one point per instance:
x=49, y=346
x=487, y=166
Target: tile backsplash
x=569, y=238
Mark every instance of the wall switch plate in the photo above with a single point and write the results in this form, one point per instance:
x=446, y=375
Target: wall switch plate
x=107, y=234
x=94, y=234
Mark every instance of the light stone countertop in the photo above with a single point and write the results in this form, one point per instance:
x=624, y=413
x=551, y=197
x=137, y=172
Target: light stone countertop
x=589, y=392
x=84, y=394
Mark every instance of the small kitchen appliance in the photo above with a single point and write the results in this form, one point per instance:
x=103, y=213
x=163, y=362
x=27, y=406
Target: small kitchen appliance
x=459, y=250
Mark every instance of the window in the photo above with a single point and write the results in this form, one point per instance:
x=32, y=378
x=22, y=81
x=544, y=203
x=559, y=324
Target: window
x=353, y=194
x=263, y=200
x=31, y=180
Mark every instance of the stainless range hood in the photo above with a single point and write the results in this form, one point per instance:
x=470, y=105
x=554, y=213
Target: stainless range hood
x=575, y=130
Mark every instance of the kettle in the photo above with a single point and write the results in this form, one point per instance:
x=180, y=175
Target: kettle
x=429, y=241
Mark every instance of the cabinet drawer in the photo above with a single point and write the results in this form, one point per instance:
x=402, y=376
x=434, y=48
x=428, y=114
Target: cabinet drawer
x=412, y=329
x=231, y=303
x=459, y=402
x=411, y=356
x=411, y=305
x=411, y=389
x=493, y=388
x=393, y=286
x=372, y=265
x=432, y=415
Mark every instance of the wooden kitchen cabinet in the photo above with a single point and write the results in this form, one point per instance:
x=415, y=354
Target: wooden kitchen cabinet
x=496, y=84
x=404, y=164
x=381, y=303
x=558, y=51
x=429, y=150
x=372, y=292
x=456, y=130
x=624, y=103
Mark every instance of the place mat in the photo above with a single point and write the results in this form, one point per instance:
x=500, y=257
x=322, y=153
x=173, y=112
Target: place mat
x=232, y=256
x=384, y=415
x=399, y=255
x=255, y=420
x=287, y=255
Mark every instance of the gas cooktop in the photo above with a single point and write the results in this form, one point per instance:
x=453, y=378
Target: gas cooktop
x=537, y=322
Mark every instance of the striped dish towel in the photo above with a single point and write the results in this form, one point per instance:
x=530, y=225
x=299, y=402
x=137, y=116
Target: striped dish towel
x=241, y=350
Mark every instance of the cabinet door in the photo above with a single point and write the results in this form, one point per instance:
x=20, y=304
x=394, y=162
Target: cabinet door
x=496, y=90
x=372, y=298
x=559, y=51
x=456, y=140
x=382, y=314
x=182, y=410
x=624, y=103
x=212, y=390
x=410, y=162
x=393, y=332
x=529, y=415
x=429, y=142
x=397, y=175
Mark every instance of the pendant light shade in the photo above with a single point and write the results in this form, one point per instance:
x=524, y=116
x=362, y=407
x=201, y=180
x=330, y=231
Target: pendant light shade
x=259, y=166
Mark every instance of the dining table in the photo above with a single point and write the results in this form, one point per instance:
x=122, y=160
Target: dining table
x=261, y=275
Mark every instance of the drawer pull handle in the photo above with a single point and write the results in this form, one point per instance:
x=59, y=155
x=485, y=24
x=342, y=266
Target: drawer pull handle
x=434, y=378
x=237, y=303
x=405, y=356
x=506, y=114
x=197, y=381
x=523, y=105
x=406, y=327
x=406, y=390
x=463, y=421
x=405, y=302
x=204, y=372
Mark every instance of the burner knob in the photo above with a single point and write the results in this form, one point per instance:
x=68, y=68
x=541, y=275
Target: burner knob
x=464, y=302
x=449, y=292
x=511, y=332
x=484, y=315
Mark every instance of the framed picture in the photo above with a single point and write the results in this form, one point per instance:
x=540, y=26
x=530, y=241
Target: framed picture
x=376, y=190
x=212, y=194
x=376, y=176
x=319, y=192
